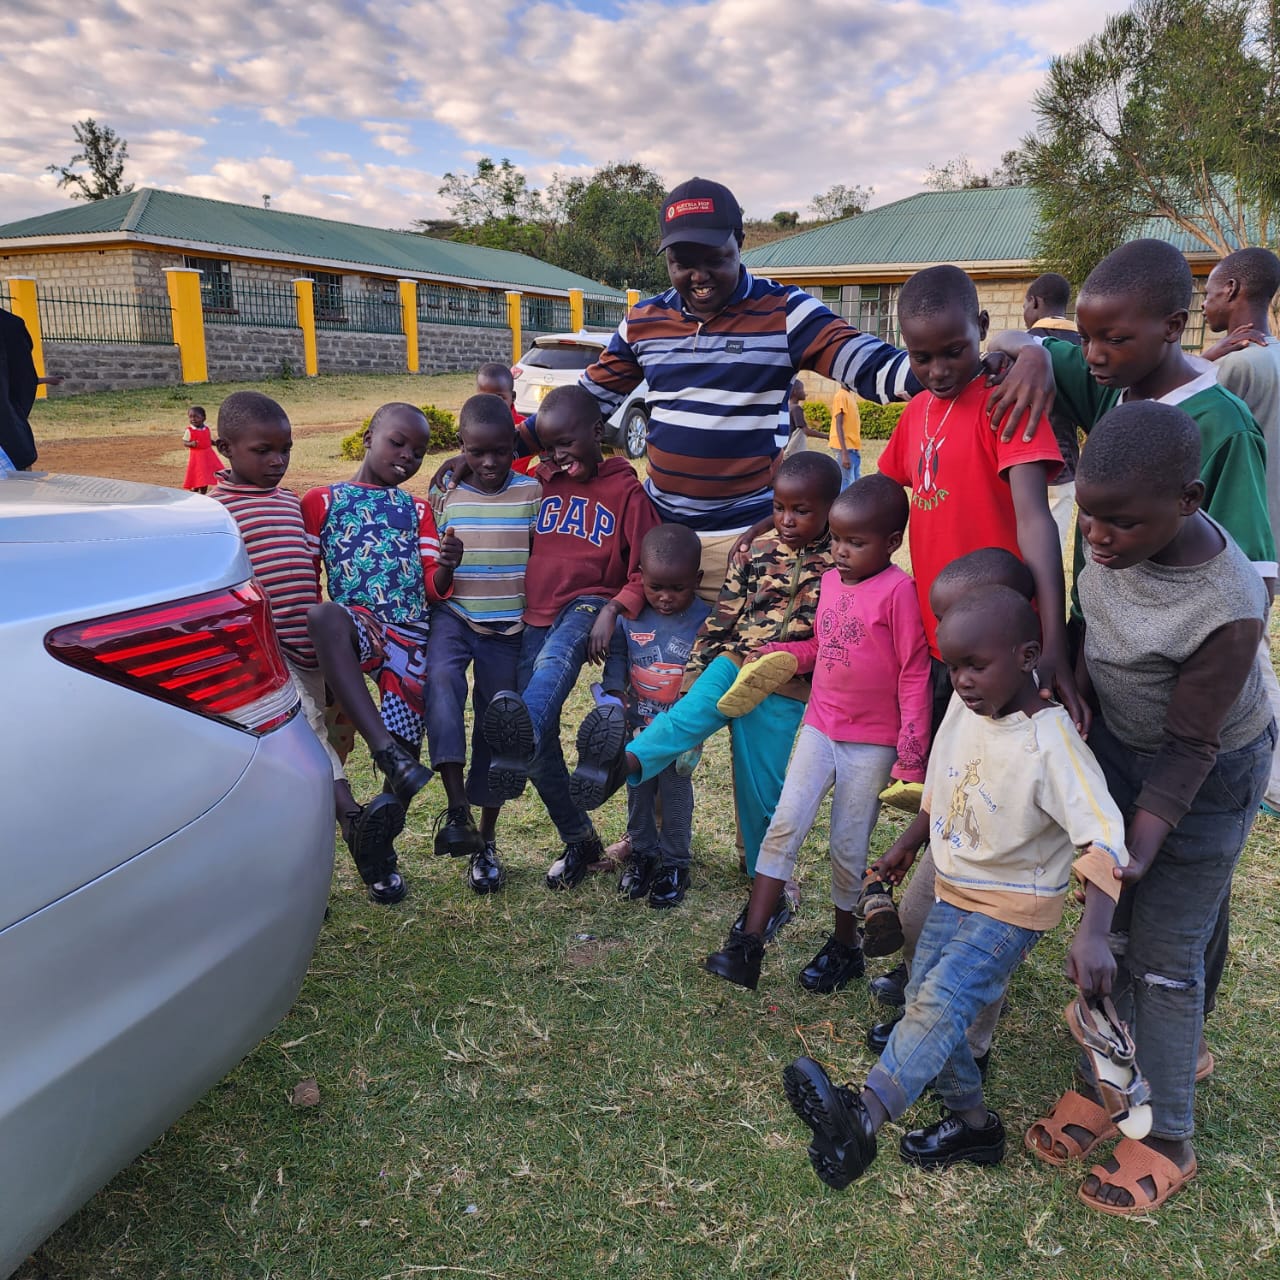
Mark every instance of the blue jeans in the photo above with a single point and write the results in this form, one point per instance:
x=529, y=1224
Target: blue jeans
x=1164, y=922
x=963, y=962
x=853, y=471
x=453, y=646
x=550, y=661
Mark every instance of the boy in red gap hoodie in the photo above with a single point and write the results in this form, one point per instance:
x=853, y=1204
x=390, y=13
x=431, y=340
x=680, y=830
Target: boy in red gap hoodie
x=583, y=571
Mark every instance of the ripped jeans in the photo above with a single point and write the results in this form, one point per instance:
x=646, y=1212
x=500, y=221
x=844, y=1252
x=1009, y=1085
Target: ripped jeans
x=1164, y=922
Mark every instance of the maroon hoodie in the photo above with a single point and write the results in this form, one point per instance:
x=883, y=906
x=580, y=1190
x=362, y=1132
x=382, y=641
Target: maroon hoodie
x=587, y=541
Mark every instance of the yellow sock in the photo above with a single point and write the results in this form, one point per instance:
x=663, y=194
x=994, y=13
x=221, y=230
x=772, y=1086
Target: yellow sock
x=755, y=682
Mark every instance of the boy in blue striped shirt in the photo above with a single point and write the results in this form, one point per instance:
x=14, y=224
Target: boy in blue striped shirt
x=493, y=513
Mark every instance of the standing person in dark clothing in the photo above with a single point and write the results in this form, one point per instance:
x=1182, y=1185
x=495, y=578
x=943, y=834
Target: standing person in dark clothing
x=18, y=382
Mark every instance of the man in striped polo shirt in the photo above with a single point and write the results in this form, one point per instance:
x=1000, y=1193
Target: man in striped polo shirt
x=719, y=350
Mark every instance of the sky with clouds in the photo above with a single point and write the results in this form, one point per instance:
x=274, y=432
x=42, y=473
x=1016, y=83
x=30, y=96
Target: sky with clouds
x=355, y=110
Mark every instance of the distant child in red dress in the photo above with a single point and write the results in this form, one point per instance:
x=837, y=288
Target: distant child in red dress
x=202, y=462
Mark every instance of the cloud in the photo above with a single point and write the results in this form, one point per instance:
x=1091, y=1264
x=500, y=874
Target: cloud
x=779, y=101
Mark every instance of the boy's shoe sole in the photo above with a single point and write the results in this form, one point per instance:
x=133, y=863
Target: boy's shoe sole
x=755, y=682
x=373, y=833
x=601, y=738
x=508, y=730
x=844, y=1143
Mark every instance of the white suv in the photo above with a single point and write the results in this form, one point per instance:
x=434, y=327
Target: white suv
x=557, y=360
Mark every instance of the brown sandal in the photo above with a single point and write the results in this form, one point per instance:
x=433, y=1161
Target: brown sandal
x=1136, y=1161
x=1076, y=1111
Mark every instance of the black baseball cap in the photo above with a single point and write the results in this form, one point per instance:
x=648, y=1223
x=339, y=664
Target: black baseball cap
x=700, y=212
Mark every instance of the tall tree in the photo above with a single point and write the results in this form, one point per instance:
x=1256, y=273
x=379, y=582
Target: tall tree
x=495, y=207
x=105, y=153
x=1172, y=111
x=840, y=201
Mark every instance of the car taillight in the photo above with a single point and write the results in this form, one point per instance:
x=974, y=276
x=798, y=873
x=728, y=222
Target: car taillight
x=214, y=654
x=516, y=372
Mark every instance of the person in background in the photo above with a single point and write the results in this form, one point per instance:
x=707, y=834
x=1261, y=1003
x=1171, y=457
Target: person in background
x=202, y=461
x=845, y=440
x=18, y=382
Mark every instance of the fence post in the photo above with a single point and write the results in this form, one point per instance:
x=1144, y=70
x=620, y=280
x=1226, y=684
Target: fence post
x=577, y=315
x=305, y=289
x=183, y=284
x=633, y=298
x=409, y=322
x=22, y=294
x=513, y=320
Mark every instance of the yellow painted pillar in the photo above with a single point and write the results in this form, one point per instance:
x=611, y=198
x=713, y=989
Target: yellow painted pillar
x=188, y=322
x=22, y=296
x=513, y=320
x=577, y=316
x=409, y=322
x=305, y=289
x=633, y=298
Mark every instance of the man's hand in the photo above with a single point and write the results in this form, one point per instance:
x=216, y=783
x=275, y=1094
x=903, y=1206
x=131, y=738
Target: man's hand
x=845, y=460
x=450, y=553
x=1022, y=392
x=460, y=468
x=1091, y=965
x=1236, y=340
x=602, y=633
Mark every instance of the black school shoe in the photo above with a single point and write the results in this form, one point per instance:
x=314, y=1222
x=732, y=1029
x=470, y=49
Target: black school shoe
x=669, y=887
x=890, y=988
x=637, y=876
x=507, y=729
x=844, y=1141
x=781, y=914
x=601, y=770
x=952, y=1140
x=485, y=874
x=404, y=775
x=373, y=832
x=456, y=834
x=570, y=869
x=738, y=961
x=833, y=968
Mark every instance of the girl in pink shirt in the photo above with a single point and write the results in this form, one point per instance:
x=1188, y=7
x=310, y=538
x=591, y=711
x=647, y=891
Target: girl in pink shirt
x=868, y=719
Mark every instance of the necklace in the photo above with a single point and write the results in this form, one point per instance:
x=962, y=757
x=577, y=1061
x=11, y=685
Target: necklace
x=928, y=404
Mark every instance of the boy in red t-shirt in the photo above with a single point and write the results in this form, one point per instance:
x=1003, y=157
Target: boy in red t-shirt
x=583, y=571
x=968, y=488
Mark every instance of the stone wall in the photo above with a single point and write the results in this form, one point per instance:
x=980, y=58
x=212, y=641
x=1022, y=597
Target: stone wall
x=338, y=352
x=447, y=348
x=75, y=268
x=110, y=366
x=243, y=354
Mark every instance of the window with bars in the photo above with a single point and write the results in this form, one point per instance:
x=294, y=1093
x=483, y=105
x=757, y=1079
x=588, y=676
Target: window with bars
x=872, y=308
x=216, y=292
x=1193, y=335
x=328, y=295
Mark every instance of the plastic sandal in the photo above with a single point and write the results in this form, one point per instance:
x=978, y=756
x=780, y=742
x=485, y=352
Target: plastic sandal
x=881, y=927
x=1125, y=1093
x=1076, y=1111
x=1135, y=1162
x=755, y=682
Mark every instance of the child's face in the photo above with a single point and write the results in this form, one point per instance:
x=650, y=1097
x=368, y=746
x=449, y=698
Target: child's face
x=490, y=387
x=945, y=349
x=1122, y=344
x=704, y=276
x=799, y=516
x=571, y=442
x=1124, y=528
x=859, y=551
x=396, y=447
x=489, y=450
x=991, y=675
x=258, y=454
x=195, y=417
x=668, y=588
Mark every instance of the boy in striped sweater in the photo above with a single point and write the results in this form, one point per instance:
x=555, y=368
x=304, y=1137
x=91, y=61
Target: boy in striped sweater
x=493, y=513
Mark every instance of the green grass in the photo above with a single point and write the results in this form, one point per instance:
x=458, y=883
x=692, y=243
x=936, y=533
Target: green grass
x=547, y=1085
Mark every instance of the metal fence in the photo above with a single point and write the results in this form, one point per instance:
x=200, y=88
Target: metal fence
x=453, y=304
x=103, y=315
x=361, y=313
x=544, y=315
x=257, y=303
x=5, y=300
x=599, y=312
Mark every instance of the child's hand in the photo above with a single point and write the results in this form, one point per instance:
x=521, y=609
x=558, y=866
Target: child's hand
x=1091, y=964
x=1239, y=338
x=450, y=553
x=1023, y=393
x=894, y=865
x=601, y=634
x=461, y=469
x=1058, y=680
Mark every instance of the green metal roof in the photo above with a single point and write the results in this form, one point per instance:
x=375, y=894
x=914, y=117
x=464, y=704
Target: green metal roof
x=982, y=224
x=245, y=229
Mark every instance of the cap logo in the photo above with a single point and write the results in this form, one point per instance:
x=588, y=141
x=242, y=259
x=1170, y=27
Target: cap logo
x=682, y=207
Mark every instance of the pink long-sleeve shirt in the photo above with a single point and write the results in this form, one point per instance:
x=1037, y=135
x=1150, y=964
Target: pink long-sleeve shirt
x=870, y=664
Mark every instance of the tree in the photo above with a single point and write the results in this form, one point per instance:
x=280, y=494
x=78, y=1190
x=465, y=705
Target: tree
x=786, y=218
x=1172, y=111
x=840, y=201
x=959, y=174
x=105, y=153
x=495, y=207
